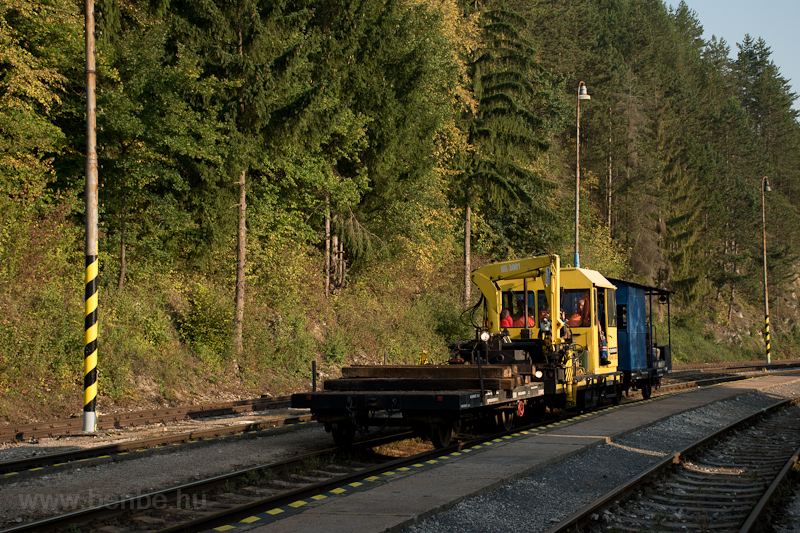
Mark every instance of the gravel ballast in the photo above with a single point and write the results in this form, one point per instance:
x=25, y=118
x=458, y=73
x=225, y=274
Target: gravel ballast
x=532, y=503
x=48, y=494
x=539, y=501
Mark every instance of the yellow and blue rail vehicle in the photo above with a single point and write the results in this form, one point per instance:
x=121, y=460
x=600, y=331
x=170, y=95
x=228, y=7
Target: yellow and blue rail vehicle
x=573, y=353
x=524, y=358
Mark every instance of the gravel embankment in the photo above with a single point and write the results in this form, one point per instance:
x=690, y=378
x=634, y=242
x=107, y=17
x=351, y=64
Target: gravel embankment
x=537, y=502
x=46, y=495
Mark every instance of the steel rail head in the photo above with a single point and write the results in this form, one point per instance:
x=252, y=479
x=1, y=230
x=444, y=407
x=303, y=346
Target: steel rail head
x=582, y=515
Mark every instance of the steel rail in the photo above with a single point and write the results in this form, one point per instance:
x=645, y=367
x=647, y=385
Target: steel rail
x=236, y=514
x=34, y=464
x=574, y=521
x=103, y=452
x=724, y=379
x=763, y=503
x=171, y=495
x=55, y=428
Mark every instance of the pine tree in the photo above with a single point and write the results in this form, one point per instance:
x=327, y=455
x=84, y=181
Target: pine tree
x=517, y=108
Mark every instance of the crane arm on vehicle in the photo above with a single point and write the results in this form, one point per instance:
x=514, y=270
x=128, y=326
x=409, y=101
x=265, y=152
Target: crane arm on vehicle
x=549, y=266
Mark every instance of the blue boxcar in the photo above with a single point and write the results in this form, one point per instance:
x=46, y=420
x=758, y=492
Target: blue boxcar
x=641, y=358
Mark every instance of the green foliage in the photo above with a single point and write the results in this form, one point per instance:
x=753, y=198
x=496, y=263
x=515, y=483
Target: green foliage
x=691, y=343
x=42, y=314
x=442, y=314
x=600, y=252
x=36, y=40
x=519, y=106
x=389, y=119
x=43, y=351
x=785, y=343
x=207, y=323
x=291, y=347
x=337, y=347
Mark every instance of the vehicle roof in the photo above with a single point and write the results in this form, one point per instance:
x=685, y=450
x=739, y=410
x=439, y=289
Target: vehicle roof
x=595, y=277
x=647, y=288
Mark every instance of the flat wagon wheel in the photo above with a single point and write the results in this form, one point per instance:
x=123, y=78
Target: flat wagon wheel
x=646, y=388
x=537, y=412
x=441, y=433
x=344, y=433
x=617, y=398
x=504, y=420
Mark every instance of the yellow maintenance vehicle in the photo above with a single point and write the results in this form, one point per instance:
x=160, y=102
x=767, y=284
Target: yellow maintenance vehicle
x=545, y=336
x=572, y=352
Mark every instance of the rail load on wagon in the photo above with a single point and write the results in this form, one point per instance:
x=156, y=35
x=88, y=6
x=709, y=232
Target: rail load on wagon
x=523, y=359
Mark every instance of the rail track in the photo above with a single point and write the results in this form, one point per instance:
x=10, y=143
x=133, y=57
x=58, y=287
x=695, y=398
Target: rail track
x=273, y=488
x=48, y=463
x=259, y=493
x=256, y=494
x=685, y=378
x=245, y=491
x=10, y=433
x=71, y=426
x=723, y=482
x=135, y=449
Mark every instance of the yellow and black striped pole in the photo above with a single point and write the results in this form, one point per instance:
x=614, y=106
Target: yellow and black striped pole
x=90, y=350
x=765, y=188
x=90, y=326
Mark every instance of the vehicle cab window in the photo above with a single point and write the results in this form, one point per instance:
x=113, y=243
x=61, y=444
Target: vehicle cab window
x=576, y=306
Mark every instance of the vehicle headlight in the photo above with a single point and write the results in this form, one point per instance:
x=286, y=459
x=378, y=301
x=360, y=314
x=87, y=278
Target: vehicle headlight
x=538, y=374
x=485, y=336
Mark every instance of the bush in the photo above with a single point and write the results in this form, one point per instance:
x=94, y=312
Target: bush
x=208, y=321
x=337, y=346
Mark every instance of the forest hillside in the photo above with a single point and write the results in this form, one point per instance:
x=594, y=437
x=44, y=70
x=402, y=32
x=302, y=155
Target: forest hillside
x=282, y=182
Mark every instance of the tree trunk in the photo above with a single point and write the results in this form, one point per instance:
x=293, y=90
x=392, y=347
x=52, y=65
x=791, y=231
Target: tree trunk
x=241, y=248
x=335, y=259
x=327, y=245
x=341, y=263
x=123, y=261
x=467, y=254
x=609, y=179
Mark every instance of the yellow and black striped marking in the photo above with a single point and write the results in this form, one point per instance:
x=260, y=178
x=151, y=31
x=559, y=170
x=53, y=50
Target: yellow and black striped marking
x=367, y=483
x=766, y=335
x=90, y=350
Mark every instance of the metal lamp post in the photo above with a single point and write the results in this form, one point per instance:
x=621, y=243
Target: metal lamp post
x=582, y=95
x=765, y=188
x=90, y=322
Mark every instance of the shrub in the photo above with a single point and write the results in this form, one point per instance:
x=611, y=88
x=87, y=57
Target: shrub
x=208, y=321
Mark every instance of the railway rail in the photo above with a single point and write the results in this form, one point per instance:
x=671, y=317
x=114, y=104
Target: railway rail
x=249, y=494
x=277, y=487
x=70, y=426
x=204, y=504
x=39, y=464
x=723, y=482
x=121, y=451
x=154, y=510
x=11, y=433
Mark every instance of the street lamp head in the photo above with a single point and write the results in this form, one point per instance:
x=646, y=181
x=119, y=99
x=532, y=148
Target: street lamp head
x=767, y=188
x=582, y=94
